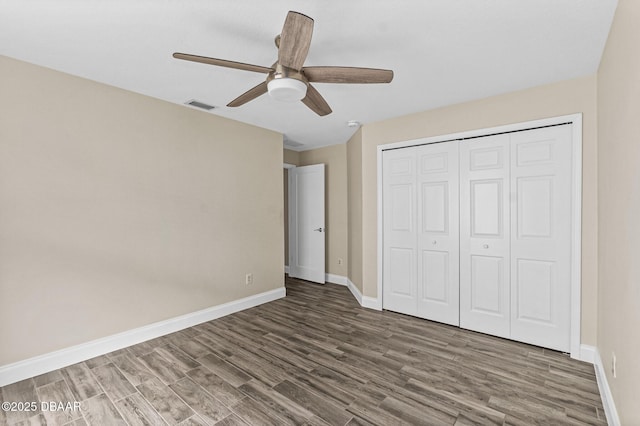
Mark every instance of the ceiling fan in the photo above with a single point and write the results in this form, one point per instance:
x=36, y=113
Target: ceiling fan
x=287, y=79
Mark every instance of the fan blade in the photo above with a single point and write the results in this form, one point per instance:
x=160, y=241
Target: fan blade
x=249, y=95
x=316, y=102
x=295, y=40
x=222, y=63
x=347, y=75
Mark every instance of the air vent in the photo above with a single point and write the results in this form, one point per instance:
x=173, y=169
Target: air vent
x=293, y=144
x=200, y=105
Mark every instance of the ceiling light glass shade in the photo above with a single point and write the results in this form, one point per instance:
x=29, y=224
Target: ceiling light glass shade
x=287, y=89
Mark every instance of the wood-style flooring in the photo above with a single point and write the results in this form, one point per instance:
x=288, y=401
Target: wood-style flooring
x=317, y=358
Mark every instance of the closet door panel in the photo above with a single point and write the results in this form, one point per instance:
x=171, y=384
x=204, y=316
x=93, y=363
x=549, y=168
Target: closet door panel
x=541, y=237
x=485, y=235
x=399, y=227
x=437, y=236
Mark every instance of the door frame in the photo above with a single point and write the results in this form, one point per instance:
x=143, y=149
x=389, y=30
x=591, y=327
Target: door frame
x=287, y=166
x=576, y=203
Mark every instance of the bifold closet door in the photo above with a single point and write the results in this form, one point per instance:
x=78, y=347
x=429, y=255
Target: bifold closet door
x=420, y=225
x=399, y=228
x=484, y=235
x=515, y=236
x=438, y=236
x=541, y=237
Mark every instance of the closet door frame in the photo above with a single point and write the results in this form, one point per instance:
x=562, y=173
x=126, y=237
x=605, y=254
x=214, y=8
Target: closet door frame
x=576, y=204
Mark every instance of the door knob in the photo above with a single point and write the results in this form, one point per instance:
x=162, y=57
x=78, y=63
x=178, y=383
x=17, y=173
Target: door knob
x=485, y=246
x=319, y=229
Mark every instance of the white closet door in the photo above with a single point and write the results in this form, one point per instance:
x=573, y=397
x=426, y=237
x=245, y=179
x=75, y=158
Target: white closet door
x=484, y=235
x=399, y=227
x=541, y=237
x=438, y=239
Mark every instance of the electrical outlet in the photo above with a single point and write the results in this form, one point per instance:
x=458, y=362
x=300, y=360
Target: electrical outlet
x=248, y=279
x=613, y=365
x=339, y=261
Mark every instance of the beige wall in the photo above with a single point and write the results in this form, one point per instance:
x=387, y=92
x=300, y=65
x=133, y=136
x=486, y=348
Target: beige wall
x=335, y=160
x=117, y=210
x=567, y=97
x=619, y=209
x=354, y=203
x=291, y=157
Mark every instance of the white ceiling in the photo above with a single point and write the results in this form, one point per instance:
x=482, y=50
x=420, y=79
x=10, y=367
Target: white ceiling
x=441, y=51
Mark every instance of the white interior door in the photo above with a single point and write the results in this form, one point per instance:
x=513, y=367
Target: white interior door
x=484, y=235
x=306, y=223
x=399, y=224
x=438, y=239
x=541, y=237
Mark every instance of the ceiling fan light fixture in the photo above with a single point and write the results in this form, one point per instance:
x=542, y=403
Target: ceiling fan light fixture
x=287, y=89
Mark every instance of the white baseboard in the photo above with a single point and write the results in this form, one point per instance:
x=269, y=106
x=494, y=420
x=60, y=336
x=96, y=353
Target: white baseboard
x=587, y=354
x=41, y=364
x=605, y=392
x=371, y=303
x=354, y=290
x=364, y=301
x=335, y=279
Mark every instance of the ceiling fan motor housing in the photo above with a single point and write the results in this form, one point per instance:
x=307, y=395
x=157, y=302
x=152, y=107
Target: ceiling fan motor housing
x=286, y=84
